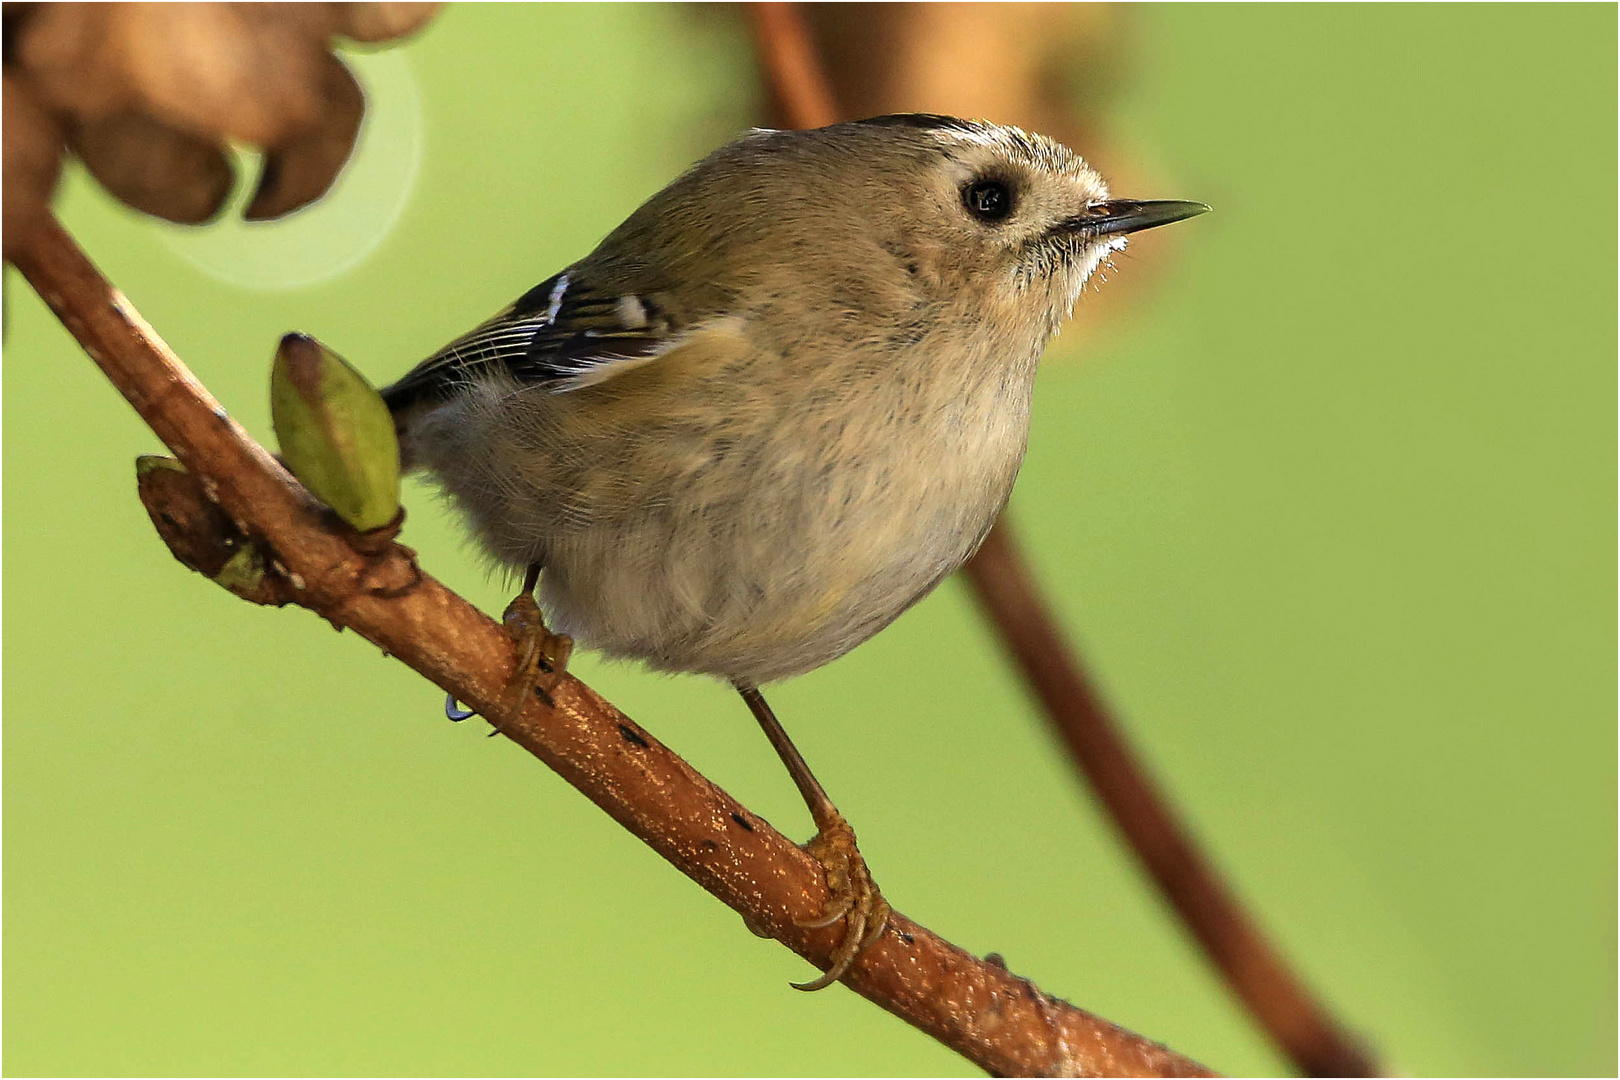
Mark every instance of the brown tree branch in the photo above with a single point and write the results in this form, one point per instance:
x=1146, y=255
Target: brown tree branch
x=1277, y=999
x=242, y=500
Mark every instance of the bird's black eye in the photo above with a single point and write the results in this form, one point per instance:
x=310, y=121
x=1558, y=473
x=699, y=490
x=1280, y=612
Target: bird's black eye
x=988, y=200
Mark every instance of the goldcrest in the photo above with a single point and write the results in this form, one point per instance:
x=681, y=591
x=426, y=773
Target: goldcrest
x=776, y=406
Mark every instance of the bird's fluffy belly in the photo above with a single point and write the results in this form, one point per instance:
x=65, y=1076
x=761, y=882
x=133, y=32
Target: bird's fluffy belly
x=733, y=552
x=740, y=595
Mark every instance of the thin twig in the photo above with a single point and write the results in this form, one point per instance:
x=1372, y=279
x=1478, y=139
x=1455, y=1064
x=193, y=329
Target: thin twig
x=1278, y=1000
x=994, y=1018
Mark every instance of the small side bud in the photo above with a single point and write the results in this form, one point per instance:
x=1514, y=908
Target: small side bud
x=145, y=464
x=201, y=535
x=244, y=572
x=336, y=434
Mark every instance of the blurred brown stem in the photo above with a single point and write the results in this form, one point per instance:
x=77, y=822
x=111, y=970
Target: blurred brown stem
x=234, y=498
x=800, y=93
x=1276, y=998
x=1281, y=1004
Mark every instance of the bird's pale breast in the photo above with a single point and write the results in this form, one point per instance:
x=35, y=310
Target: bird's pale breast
x=729, y=529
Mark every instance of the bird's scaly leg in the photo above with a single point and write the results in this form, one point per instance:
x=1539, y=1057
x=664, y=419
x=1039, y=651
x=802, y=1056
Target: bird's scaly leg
x=542, y=657
x=854, y=895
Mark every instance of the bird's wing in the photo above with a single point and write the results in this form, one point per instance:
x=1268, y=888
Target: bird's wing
x=561, y=334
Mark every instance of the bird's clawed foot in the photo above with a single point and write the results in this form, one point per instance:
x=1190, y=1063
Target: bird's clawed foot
x=854, y=897
x=542, y=657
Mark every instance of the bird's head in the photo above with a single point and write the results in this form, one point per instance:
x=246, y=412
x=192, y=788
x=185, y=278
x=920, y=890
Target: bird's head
x=885, y=227
x=1013, y=220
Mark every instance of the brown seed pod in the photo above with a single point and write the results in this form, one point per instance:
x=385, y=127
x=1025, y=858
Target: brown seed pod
x=235, y=70
x=298, y=172
x=155, y=168
x=69, y=54
x=152, y=91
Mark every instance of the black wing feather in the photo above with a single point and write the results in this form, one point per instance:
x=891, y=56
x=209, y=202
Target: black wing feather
x=556, y=333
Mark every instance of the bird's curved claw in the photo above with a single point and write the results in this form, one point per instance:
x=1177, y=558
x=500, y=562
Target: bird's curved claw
x=542, y=657
x=854, y=897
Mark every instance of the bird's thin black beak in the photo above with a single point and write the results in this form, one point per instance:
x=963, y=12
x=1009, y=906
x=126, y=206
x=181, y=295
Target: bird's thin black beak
x=1119, y=216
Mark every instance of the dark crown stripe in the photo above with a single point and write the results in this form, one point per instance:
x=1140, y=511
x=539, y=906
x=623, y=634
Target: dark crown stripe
x=921, y=121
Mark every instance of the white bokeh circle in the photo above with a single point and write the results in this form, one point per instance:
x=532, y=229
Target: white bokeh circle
x=338, y=231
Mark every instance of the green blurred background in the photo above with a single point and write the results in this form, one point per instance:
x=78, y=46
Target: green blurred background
x=1331, y=508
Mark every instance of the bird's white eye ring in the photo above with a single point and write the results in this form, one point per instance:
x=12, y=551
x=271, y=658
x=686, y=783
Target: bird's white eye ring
x=988, y=200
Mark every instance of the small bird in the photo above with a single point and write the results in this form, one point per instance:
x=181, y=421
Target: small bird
x=771, y=411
